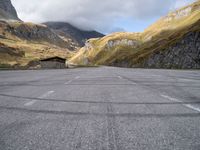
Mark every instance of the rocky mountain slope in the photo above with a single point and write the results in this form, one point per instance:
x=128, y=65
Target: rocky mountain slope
x=78, y=37
x=184, y=54
x=36, y=32
x=22, y=42
x=172, y=42
x=7, y=11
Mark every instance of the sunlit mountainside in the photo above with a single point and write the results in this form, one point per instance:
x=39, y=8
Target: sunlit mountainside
x=142, y=49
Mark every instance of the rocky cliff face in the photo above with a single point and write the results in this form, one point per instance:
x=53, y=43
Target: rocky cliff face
x=11, y=51
x=68, y=31
x=125, y=42
x=183, y=55
x=33, y=32
x=7, y=11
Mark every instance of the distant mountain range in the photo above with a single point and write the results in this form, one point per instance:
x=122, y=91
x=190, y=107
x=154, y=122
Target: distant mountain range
x=171, y=42
x=22, y=42
x=77, y=35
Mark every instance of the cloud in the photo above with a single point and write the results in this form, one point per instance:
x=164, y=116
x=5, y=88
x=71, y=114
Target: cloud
x=181, y=3
x=92, y=14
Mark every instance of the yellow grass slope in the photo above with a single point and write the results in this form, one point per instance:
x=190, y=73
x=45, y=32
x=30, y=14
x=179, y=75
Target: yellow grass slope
x=17, y=51
x=135, y=47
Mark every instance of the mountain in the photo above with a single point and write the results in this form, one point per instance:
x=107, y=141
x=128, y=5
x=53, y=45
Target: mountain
x=78, y=37
x=35, y=32
x=22, y=42
x=172, y=42
x=7, y=11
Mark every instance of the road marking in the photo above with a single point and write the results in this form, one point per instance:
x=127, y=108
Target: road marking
x=134, y=83
x=186, y=105
x=46, y=94
x=120, y=77
x=78, y=77
x=193, y=107
x=42, y=96
x=30, y=103
x=171, y=98
x=68, y=82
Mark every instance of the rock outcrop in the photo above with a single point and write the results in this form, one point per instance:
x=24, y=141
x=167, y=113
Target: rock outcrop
x=125, y=42
x=11, y=51
x=7, y=11
x=183, y=55
x=34, y=32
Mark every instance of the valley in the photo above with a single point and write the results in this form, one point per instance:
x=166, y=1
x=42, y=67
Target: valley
x=172, y=42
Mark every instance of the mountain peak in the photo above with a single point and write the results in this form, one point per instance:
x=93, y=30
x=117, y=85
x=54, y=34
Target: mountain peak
x=7, y=11
x=77, y=35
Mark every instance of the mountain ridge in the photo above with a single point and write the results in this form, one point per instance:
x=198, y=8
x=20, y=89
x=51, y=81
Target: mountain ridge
x=7, y=11
x=23, y=42
x=77, y=35
x=31, y=41
x=159, y=46
x=132, y=49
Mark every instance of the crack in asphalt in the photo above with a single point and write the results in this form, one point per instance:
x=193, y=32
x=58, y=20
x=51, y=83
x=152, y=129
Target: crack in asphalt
x=99, y=102
x=134, y=115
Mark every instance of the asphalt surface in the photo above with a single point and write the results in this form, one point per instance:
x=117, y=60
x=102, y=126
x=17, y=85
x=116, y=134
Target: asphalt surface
x=100, y=109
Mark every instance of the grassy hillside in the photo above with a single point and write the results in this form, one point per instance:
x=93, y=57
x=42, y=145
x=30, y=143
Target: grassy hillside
x=21, y=43
x=135, y=47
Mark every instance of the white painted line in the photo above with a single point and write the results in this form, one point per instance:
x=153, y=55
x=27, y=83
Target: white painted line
x=46, y=94
x=119, y=77
x=171, y=98
x=68, y=82
x=133, y=83
x=42, y=96
x=30, y=103
x=192, y=107
x=78, y=77
x=186, y=105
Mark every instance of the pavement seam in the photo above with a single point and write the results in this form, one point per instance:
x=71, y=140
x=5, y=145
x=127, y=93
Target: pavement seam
x=100, y=102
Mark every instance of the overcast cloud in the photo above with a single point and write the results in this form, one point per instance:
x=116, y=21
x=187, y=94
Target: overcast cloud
x=101, y=15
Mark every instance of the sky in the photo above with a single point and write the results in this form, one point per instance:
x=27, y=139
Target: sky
x=105, y=16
